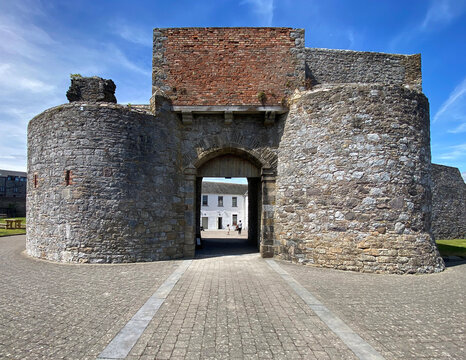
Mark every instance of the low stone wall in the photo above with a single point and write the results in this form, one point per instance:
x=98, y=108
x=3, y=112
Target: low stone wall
x=448, y=202
x=103, y=185
x=353, y=182
x=326, y=66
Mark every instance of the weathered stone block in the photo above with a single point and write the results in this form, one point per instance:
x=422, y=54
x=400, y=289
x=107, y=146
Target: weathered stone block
x=91, y=89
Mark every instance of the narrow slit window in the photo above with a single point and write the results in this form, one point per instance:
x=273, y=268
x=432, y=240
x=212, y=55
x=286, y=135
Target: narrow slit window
x=35, y=181
x=68, y=177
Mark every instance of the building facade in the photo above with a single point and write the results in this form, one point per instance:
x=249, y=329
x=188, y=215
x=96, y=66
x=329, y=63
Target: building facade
x=335, y=146
x=223, y=205
x=13, y=193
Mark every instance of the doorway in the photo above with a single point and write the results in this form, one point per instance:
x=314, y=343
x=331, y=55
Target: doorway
x=259, y=182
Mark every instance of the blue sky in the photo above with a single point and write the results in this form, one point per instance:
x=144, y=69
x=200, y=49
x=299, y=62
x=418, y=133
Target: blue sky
x=43, y=42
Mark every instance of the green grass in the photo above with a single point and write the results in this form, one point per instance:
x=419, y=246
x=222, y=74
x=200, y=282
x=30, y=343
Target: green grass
x=5, y=232
x=454, y=247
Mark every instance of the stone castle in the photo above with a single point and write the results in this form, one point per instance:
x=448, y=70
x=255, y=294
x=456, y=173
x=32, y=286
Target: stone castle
x=335, y=145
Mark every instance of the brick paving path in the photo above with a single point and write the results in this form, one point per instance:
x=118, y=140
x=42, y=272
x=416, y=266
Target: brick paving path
x=57, y=311
x=223, y=307
x=402, y=317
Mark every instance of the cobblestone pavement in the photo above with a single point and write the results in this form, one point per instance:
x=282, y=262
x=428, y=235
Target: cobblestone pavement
x=228, y=307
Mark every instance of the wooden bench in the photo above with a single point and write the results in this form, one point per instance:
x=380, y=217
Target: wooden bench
x=13, y=223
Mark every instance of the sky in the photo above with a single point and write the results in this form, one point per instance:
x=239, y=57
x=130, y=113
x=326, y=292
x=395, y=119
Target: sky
x=43, y=42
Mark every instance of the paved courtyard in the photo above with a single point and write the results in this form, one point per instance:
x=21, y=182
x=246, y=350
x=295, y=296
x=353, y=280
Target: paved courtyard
x=227, y=303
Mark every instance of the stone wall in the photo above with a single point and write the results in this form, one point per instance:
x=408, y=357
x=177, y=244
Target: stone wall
x=103, y=185
x=228, y=66
x=91, y=89
x=246, y=137
x=353, y=181
x=448, y=202
x=326, y=66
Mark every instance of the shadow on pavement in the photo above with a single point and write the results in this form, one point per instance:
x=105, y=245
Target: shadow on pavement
x=451, y=261
x=213, y=247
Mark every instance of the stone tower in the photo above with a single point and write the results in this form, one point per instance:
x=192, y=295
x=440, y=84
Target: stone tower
x=335, y=146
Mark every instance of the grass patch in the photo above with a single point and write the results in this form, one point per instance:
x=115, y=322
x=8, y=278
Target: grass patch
x=454, y=247
x=5, y=232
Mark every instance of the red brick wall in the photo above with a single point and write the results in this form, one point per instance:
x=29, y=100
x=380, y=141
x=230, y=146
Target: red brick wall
x=227, y=66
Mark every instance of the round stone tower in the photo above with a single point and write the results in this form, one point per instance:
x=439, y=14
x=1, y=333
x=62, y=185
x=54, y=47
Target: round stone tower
x=101, y=178
x=353, y=182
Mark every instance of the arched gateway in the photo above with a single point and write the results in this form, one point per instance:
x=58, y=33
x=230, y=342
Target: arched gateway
x=337, y=156
x=235, y=162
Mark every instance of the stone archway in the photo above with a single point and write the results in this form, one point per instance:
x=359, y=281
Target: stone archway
x=233, y=162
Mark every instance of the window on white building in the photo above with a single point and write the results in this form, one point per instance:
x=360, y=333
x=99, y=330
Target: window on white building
x=220, y=201
x=234, y=201
x=205, y=201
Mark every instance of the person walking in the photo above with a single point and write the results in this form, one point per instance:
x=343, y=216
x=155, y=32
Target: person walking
x=228, y=227
x=240, y=227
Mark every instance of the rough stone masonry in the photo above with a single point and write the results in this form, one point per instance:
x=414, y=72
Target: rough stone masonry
x=338, y=144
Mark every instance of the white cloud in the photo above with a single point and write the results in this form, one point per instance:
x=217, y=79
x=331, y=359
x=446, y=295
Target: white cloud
x=351, y=39
x=118, y=58
x=131, y=33
x=455, y=152
x=454, y=108
x=439, y=12
x=35, y=63
x=263, y=9
x=464, y=175
x=459, y=129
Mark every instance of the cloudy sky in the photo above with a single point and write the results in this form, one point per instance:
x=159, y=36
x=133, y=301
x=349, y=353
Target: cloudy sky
x=43, y=42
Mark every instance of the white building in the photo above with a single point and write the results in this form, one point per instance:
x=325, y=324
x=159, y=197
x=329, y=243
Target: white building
x=223, y=204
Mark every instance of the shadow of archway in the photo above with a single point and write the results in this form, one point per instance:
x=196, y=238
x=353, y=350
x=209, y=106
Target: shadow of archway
x=219, y=243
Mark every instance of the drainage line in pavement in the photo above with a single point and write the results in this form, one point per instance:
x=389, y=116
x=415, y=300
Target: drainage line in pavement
x=124, y=341
x=362, y=349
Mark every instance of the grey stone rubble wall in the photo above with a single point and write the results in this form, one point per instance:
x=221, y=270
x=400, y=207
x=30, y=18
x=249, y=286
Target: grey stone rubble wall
x=209, y=133
x=91, y=89
x=247, y=137
x=353, y=183
x=448, y=202
x=327, y=66
x=123, y=203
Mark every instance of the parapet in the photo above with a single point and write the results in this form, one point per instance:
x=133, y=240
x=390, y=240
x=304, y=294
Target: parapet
x=328, y=66
x=91, y=89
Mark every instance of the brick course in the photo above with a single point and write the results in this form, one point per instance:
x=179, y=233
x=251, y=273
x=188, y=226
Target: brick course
x=228, y=66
